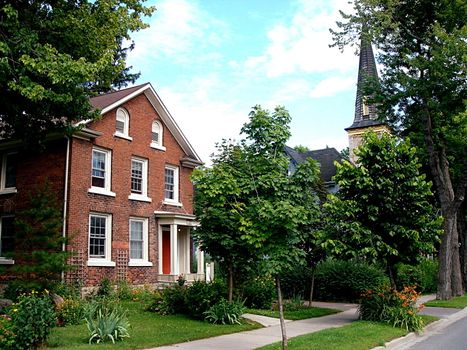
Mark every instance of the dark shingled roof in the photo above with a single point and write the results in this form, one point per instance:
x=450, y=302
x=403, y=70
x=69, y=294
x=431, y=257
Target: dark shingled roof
x=325, y=157
x=104, y=100
x=366, y=70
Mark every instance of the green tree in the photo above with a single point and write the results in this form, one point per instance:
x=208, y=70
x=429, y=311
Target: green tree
x=39, y=242
x=422, y=51
x=247, y=200
x=382, y=211
x=54, y=55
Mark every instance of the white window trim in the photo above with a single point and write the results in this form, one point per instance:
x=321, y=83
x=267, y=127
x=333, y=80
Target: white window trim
x=3, y=189
x=143, y=197
x=176, y=200
x=108, y=174
x=3, y=260
x=145, y=260
x=107, y=261
x=126, y=127
x=158, y=145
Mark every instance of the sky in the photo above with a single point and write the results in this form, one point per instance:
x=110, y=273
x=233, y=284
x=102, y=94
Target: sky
x=211, y=61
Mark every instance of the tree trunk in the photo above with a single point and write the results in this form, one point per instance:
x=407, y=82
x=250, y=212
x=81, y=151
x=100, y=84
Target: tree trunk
x=230, y=281
x=285, y=345
x=449, y=275
x=312, y=286
x=462, y=229
x=392, y=278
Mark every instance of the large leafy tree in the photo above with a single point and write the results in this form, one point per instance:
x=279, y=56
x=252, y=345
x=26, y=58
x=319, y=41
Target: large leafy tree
x=382, y=211
x=249, y=207
x=54, y=55
x=422, y=51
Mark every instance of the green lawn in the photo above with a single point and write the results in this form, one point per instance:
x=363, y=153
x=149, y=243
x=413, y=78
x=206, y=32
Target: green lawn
x=148, y=330
x=360, y=335
x=457, y=302
x=301, y=314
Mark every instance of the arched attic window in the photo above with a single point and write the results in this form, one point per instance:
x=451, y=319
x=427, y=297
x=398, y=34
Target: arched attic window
x=122, y=124
x=157, y=135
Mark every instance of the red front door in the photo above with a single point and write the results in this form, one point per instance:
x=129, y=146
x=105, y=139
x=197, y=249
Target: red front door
x=166, y=252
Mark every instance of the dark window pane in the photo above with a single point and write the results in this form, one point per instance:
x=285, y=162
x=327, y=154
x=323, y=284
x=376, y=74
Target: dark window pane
x=98, y=169
x=97, y=237
x=10, y=173
x=7, y=235
x=136, y=177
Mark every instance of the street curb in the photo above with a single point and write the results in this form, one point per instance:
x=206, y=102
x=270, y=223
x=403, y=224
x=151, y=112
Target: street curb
x=410, y=339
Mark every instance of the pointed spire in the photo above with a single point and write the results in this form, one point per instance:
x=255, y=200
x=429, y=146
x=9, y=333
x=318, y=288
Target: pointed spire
x=365, y=113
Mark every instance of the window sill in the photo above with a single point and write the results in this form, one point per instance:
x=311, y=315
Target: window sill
x=123, y=136
x=140, y=263
x=157, y=146
x=8, y=190
x=139, y=197
x=175, y=204
x=102, y=191
x=101, y=262
x=6, y=261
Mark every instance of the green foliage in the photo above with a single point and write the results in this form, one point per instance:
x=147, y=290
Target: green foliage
x=55, y=55
x=296, y=281
x=18, y=287
x=429, y=271
x=33, y=317
x=346, y=280
x=7, y=335
x=71, y=312
x=200, y=296
x=68, y=290
x=259, y=292
x=38, y=241
x=385, y=304
x=173, y=301
x=225, y=312
x=423, y=276
x=382, y=211
x=106, y=322
x=105, y=288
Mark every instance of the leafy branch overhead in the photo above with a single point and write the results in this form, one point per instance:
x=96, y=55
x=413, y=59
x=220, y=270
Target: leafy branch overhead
x=55, y=55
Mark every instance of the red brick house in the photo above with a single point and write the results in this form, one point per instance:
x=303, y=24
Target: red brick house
x=124, y=185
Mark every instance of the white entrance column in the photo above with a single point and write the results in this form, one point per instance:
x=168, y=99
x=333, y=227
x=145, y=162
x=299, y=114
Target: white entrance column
x=200, y=255
x=174, y=265
x=187, y=250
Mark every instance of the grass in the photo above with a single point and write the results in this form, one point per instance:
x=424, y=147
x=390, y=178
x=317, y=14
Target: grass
x=301, y=314
x=359, y=335
x=456, y=302
x=147, y=330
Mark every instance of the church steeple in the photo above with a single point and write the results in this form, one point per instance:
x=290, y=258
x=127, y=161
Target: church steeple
x=366, y=113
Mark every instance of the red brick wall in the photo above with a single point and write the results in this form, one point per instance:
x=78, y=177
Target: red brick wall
x=81, y=203
x=34, y=168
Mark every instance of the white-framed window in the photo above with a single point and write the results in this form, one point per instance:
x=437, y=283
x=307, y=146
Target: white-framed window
x=157, y=135
x=101, y=166
x=139, y=179
x=122, y=124
x=139, y=245
x=7, y=239
x=100, y=240
x=8, y=173
x=171, y=185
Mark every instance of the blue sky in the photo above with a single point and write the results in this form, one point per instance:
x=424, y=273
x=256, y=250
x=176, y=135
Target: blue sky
x=212, y=60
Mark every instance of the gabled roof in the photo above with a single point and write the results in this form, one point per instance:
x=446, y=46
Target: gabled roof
x=366, y=70
x=325, y=157
x=112, y=100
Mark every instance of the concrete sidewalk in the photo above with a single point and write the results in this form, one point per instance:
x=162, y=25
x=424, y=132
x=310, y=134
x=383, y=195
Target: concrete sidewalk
x=271, y=333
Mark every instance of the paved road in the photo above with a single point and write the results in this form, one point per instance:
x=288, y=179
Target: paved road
x=453, y=337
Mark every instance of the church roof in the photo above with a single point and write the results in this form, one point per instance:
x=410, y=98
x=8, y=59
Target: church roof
x=365, y=117
x=325, y=157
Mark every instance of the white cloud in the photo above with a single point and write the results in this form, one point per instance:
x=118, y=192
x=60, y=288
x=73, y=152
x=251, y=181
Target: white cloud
x=302, y=45
x=333, y=85
x=178, y=28
x=205, y=116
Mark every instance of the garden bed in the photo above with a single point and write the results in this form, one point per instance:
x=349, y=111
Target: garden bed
x=300, y=314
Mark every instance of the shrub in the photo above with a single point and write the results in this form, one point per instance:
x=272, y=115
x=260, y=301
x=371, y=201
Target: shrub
x=346, y=280
x=155, y=303
x=68, y=290
x=7, y=335
x=105, y=288
x=408, y=275
x=429, y=275
x=259, y=292
x=200, y=296
x=33, y=317
x=124, y=291
x=106, y=322
x=70, y=312
x=385, y=304
x=173, y=300
x=18, y=287
x=225, y=312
